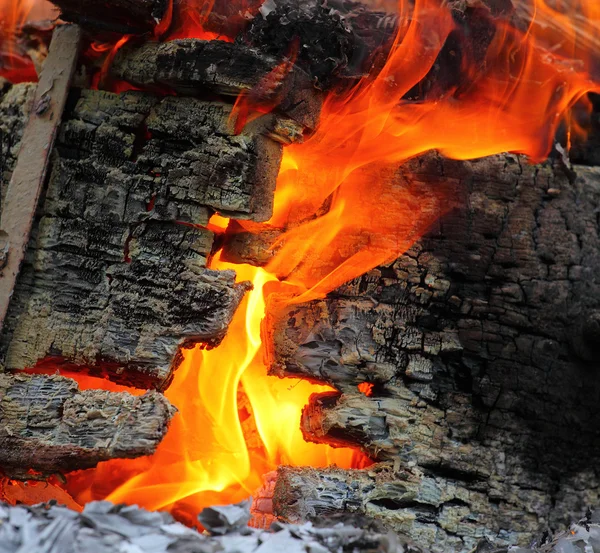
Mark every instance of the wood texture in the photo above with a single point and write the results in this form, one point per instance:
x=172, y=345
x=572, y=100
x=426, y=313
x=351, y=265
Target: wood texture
x=192, y=67
x=21, y=198
x=117, y=16
x=481, y=347
x=115, y=278
x=47, y=424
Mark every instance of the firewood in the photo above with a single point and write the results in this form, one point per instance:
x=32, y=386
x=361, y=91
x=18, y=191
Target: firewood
x=249, y=243
x=115, y=277
x=21, y=198
x=116, y=16
x=410, y=501
x=479, y=344
x=47, y=424
x=337, y=39
x=192, y=67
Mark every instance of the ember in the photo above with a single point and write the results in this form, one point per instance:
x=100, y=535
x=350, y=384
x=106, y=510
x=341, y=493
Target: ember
x=340, y=210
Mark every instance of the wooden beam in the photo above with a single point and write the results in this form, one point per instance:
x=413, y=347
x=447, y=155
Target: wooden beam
x=38, y=139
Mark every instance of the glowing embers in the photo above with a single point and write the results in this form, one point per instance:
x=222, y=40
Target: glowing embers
x=366, y=388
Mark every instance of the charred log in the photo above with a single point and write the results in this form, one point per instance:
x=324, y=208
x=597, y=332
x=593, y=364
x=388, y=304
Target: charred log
x=118, y=16
x=336, y=39
x=478, y=345
x=191, y=67
x=47, y=424
x=115, y=277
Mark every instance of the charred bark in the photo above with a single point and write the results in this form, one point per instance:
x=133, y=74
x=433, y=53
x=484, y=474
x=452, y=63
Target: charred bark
x=193, y=67
x=47, y=424
x=118, y=16
x=480, y=348
x=115, y=278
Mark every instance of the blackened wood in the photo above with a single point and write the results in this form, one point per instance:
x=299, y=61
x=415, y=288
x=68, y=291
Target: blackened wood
x=47, y=424
x=115, y=277
x=406, y=499
x=480, y=345
x=21, y=198
x=248, y=243
x=193, y=67
x=117, y=16
x=336, y=39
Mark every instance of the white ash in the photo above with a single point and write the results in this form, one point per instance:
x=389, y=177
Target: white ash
x=107, y=528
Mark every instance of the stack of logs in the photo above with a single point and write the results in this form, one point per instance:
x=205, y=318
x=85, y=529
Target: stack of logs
x=480, y=343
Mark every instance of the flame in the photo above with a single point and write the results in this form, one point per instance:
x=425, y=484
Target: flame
x=205, y=459
x=15, y=65
x=343, y=209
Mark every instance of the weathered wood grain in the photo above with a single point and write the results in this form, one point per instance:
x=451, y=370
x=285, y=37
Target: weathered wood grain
x=480, y=344
x=193, y=67
x=21, y=199
x=115, y=278
x=47, y=424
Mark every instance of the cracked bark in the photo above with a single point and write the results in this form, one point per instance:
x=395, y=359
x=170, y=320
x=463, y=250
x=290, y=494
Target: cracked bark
x=481, y=346
x=49, y=425
x=193, y=66
x=115, y=279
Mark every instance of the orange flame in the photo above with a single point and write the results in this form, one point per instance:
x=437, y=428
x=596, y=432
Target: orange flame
x=344, y=210
x=15, y=65
x=205, y=457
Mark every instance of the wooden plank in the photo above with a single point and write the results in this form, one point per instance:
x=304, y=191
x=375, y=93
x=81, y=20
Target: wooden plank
x=38, y=139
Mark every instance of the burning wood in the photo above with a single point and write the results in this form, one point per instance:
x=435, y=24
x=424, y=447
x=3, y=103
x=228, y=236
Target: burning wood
x=455, y=363
x=49, y=425
x=193, y=67
x=150, y=185
x=21, y=197
x=118, y=16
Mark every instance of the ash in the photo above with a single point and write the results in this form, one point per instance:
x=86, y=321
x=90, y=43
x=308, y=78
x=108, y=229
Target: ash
x=103, y=527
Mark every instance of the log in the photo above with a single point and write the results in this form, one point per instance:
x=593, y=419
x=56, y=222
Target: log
x=127, y=17
x=21, y=199
x=47, y=424
x=408, y=501
x=192, y=67
x=479, y=346
x=115, y=278
x=337, y=40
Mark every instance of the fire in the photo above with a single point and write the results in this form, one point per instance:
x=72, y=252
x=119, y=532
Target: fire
x=15, y=64
x=210, y=455
x=342, y=211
